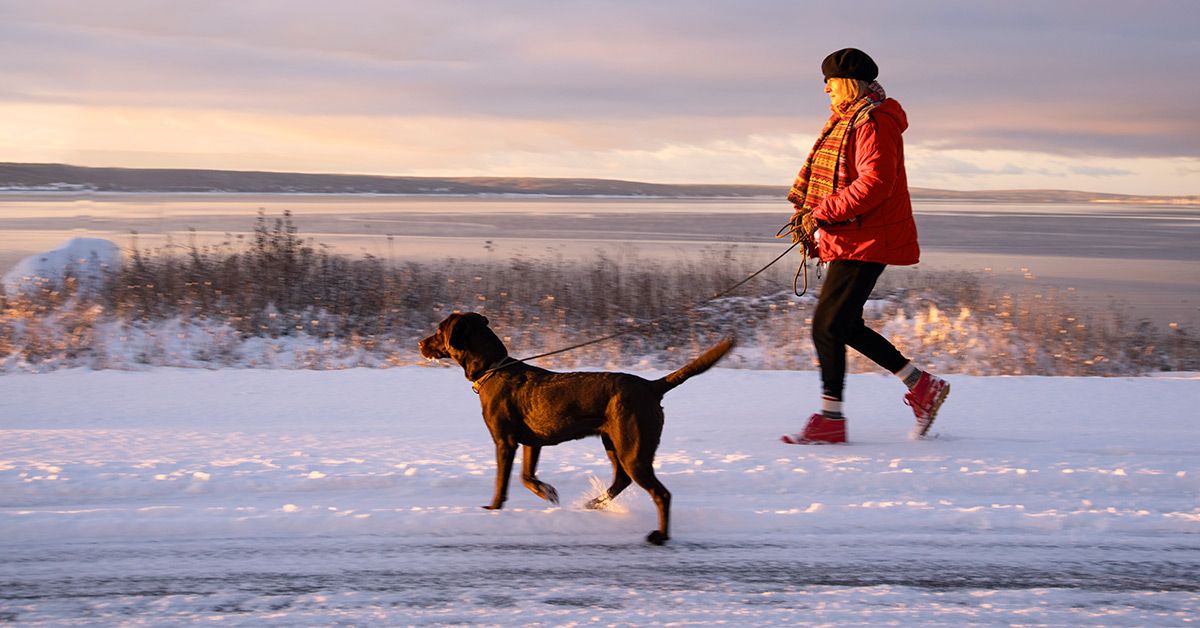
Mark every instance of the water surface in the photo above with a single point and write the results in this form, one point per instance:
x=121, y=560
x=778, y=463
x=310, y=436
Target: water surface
x=1140, y=257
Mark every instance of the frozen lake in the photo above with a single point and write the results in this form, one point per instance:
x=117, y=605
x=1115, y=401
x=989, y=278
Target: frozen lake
x=1143, y=258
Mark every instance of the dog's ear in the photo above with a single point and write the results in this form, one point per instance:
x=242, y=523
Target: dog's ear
x=464, y=327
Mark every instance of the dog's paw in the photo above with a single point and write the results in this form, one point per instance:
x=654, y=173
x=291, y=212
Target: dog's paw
x=492, y=507
x=657, y=537
x=549, y=493
x=598, y=503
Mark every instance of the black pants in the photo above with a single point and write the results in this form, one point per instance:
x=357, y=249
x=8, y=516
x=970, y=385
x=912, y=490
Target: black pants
x=838, y=322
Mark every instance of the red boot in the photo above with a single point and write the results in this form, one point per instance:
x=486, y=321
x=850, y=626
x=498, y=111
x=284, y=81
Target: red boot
x=925, y=399
x=820, y=430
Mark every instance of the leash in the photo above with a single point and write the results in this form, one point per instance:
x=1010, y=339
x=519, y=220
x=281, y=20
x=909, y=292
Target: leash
x=810, y=249
x=509, y=361
x=655, y=320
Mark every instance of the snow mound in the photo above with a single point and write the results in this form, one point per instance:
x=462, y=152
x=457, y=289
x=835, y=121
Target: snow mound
x=86, y=259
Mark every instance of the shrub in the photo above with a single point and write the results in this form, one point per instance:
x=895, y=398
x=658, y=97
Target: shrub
x=278, y=300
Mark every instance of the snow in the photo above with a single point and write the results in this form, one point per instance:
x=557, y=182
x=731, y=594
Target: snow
x=270, y=497
x=86, y=258
x=278, y=497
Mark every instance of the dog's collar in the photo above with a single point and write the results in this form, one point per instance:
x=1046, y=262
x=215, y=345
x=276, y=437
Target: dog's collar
x=506, y=361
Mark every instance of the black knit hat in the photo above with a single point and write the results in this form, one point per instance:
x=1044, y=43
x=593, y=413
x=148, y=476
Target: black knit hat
x=850, y=63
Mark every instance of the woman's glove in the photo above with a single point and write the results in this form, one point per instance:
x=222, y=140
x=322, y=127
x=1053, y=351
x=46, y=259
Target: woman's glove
x=803, y=225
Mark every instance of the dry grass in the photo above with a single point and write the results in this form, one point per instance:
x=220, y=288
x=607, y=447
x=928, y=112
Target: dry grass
x=279, y=300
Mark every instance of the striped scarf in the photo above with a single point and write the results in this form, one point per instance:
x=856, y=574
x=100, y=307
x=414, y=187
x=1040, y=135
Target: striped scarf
x=825, y=169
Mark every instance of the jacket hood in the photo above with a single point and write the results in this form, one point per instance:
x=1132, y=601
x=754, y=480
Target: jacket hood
x=892, y=109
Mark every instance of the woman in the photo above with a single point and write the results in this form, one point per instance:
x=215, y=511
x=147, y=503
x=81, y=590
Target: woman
x=852, y=196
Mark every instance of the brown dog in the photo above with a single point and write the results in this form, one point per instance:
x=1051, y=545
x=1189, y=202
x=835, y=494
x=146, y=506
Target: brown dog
x=533, y=407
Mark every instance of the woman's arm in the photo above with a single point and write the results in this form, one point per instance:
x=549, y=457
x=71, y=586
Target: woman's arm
x=877, y=159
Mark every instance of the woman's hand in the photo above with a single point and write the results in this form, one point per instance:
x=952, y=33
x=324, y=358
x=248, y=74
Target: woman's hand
x=803, y=225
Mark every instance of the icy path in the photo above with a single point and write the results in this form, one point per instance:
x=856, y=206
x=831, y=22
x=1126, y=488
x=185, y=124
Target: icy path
x=265, y=497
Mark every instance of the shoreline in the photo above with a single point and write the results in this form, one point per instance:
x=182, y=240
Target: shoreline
x=922, y=195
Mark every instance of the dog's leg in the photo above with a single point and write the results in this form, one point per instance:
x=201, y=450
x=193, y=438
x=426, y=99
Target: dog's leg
x=529, y=475
x=635, y=449
x=505, y=452
x=620, y=478
x=643, y=474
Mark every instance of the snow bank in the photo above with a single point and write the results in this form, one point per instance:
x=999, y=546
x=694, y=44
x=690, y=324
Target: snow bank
x=87, y=259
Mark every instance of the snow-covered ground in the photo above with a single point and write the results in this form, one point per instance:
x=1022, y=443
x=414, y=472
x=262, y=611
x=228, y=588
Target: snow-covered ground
x=266, y=497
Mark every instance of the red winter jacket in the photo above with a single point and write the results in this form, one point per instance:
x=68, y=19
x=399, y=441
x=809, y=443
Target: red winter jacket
x=876, y=199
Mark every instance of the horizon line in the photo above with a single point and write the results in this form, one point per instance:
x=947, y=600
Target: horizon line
x=468, y=178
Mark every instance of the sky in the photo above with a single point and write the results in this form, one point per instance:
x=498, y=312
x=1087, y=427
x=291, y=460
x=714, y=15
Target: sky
x=1083, y=95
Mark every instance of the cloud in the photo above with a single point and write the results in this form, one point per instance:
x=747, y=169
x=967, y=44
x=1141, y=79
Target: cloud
x=498, y=85
x=968, y=167
x=938, y=166
x=1092, y=171
x=548, y=63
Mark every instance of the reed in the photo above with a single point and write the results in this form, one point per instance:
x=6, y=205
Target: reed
x=279, y=300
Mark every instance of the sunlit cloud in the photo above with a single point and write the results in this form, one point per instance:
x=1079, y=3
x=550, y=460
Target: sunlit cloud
x=998, y=95
x=938, y=167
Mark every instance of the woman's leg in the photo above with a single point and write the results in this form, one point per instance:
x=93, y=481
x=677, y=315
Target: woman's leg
x=835, y=301
x=838, y=322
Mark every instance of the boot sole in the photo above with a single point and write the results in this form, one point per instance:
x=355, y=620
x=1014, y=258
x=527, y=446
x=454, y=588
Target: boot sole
x=791, y=441
x=937, y=405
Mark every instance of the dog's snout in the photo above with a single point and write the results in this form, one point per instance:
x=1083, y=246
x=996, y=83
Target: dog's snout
x=429, y=348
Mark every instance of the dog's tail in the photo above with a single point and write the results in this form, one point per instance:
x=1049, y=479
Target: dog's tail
x=695, y=367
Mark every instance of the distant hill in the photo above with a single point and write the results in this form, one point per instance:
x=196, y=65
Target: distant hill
x=17, y=177
x=53, y=177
